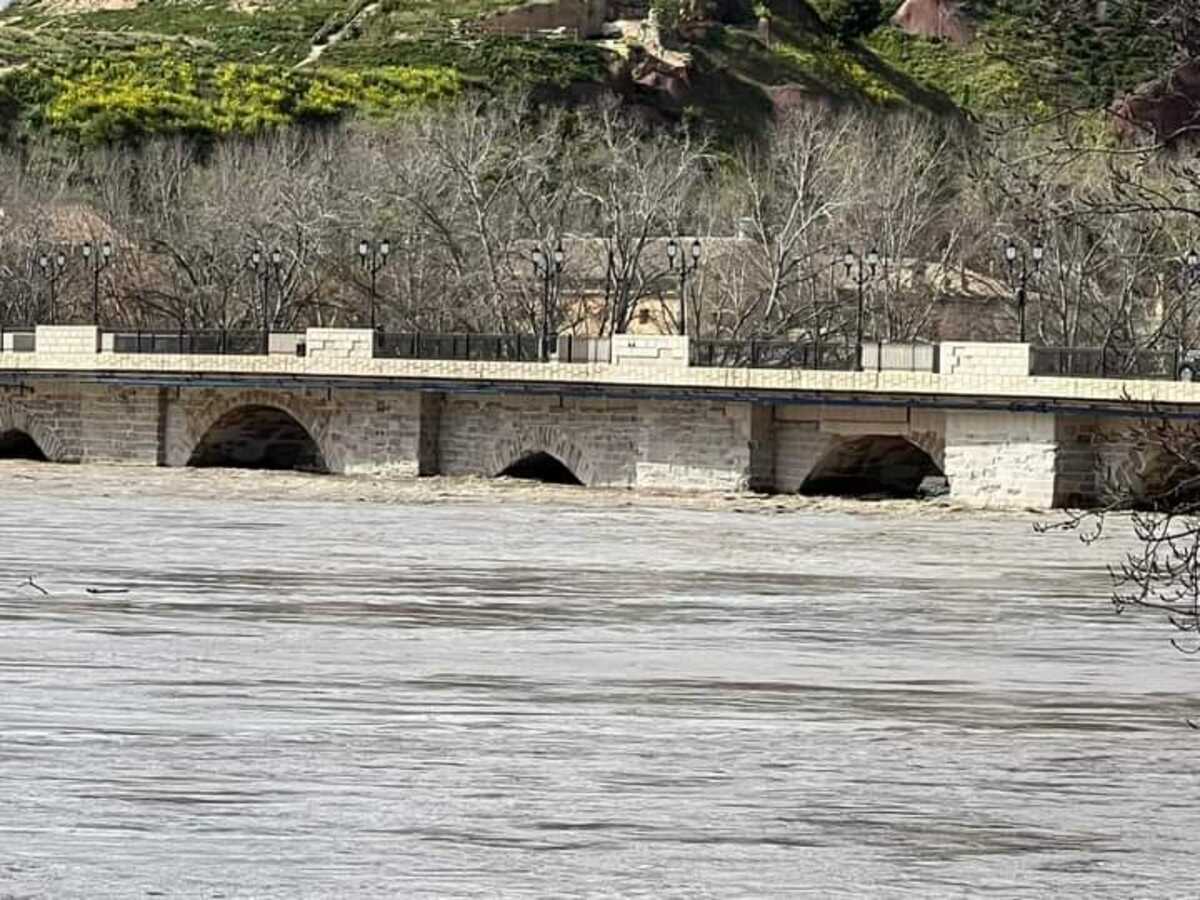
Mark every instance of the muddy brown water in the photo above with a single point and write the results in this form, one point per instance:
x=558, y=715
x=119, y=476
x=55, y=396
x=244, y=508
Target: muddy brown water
x=508, y=694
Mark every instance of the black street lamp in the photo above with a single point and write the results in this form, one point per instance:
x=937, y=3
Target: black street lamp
x=53, y=265
x=862, y=269
x=686, y=267
x=263, y=269
x=374, y=257
x=550, y=271
x=1189, y=277
x=1020, y=275
x=98, y=255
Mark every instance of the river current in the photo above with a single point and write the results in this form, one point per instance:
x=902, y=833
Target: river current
x=494, y=699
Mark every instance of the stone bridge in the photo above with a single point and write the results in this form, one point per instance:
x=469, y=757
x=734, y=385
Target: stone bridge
x=645, y=419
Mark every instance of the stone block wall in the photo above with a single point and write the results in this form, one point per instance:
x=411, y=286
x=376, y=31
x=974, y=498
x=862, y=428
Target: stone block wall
x=665, y=350
x=762, y=447
x=49, y=414
x=1002, y=459
x=596, y=439
x=375, y=433
x=991, y=458
x=799, y=445
x=120, y=425
x=984, y=359
x=284, y=342
x=355, y=431
x=430, y=408
x=67, y=339
x=339, y=346
x=805, y=435
x=1079, y=480
x=700, y=446
x=73, y=422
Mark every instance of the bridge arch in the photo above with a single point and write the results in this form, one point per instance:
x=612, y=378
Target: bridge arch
x=541, y=466
x=887, y=464
x=536, y=451
x=16, y=423
x=258, y=436
x=194, y=419
x=16, y=444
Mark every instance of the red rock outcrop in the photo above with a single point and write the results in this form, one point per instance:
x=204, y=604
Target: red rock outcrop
x=942, y=19
x=1165, y=110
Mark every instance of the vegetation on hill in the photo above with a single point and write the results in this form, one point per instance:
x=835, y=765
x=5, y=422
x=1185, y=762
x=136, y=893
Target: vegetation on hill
x=216, y=67
x=1032, y=56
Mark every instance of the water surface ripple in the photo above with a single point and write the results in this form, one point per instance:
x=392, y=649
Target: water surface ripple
x=318, y=700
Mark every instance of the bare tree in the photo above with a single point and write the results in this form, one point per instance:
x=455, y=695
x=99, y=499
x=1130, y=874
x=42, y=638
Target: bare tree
x=638, y=186
x=794, y=187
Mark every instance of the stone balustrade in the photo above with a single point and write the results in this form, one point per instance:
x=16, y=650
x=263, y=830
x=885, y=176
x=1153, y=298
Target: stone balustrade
x=966, y=369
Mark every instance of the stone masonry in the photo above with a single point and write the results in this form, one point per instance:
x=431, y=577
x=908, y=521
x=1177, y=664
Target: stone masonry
x=991, y=457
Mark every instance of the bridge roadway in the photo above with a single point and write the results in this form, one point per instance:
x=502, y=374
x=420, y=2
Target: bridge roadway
x=647, y=418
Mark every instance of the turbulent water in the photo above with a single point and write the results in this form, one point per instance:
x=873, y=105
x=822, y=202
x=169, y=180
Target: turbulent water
x=359, y=700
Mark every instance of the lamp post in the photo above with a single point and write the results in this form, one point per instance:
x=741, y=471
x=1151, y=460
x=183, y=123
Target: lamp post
x=262, y=268
x=98, y=255
x=686, y=267
x=53, y=265
x=1189, y=276
x=550, y=271
x=373, y=257
x=863, y=269
x=1019, y=275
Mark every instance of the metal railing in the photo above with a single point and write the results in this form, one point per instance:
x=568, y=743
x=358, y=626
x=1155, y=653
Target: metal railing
x=17, y=340
x=573, y=349
x=218, y=343
x=1103, y=362
x=483, y=347
x=900, y=357
x=756, y=354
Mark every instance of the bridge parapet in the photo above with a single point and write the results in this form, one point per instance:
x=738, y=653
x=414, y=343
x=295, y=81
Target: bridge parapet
x=67, y=339
x=977, y=358
x=340, y=345
x=663, y=350
x=974, y=372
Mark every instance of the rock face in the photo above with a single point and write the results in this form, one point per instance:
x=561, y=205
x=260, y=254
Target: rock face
x=1166, y=110
x=941, y=19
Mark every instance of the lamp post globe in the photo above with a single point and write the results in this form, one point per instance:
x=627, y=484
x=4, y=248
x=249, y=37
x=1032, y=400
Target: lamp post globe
x=97, y=256
x=1021, y=274
x=862, y=268
x=373, y=256
x=686, y=267
x=1187, y=363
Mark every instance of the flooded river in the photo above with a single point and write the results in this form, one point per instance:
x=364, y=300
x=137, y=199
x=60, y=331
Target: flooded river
x=498, y=698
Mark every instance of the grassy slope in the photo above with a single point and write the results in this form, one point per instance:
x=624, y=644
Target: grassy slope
x=203, y=67
x=1034, y=56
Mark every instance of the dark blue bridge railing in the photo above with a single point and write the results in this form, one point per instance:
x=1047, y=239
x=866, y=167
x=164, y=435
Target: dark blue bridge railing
x=1078, y=362
x=764, y=354
x=1104, y=362
x=17, y=340
x=241, y=343
x=491, y=347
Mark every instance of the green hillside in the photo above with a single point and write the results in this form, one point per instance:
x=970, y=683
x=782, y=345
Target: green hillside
x=216, y=67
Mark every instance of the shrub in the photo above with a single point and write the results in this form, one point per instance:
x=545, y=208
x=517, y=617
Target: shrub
x=850, y=19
